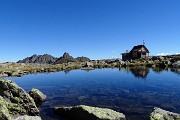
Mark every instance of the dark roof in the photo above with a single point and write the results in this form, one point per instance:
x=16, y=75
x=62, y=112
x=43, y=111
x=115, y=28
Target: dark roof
x=139, y=47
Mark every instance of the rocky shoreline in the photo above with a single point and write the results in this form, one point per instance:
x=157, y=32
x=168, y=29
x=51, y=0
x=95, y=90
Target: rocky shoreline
x=16, y=104
x=11, y=69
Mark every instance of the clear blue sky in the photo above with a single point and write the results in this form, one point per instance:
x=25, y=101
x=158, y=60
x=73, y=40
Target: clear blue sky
x=93, y=28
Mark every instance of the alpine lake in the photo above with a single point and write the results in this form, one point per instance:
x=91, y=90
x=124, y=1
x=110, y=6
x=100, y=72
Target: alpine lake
x=132, y=91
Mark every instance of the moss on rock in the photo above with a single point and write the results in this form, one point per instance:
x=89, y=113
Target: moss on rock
x=160, y=114
x=83, y=112
x=4, y=112
x=37, y=95
x=14, y=101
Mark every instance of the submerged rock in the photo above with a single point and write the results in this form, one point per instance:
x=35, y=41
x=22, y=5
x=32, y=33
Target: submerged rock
x=15, y=102
x=38, y=96
x=160, y=114
x=83, y=112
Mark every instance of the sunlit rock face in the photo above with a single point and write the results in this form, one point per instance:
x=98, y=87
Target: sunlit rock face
x=15, y=103
x=160, y=114
x=83, y=112
x=38, y=96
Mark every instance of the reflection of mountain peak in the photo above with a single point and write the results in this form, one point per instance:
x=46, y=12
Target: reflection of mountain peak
x=140, y=72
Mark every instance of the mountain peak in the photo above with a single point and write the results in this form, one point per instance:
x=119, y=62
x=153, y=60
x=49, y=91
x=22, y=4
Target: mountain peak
x=49, y=59
x=66, y=55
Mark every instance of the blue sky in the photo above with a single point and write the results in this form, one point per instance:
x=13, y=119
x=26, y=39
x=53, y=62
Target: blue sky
x=93, y=28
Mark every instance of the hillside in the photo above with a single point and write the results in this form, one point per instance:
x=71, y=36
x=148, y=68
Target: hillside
x=49, y=59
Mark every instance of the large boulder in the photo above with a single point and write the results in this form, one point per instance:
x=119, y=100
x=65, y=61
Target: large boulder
x=176, y=64
x=11, y=111
x=38, y=96
x=15, y=100
x=2, y=75
x=160, y=114
x=17, y=73
x=83, y=112
x=89, y=64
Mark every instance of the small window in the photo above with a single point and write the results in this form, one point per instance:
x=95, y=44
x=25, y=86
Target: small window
x=143, y=53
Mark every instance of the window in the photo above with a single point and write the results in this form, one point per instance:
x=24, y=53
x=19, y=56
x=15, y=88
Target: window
x=143, y=53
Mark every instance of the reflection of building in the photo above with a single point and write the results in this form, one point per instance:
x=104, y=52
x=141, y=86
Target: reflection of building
x=141, y=72
x=175, y=70
x=139, y=51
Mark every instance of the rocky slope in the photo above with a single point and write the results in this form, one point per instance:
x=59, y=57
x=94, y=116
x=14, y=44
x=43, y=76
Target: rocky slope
x=82, y=59
x=65, y=59
x=48, y=59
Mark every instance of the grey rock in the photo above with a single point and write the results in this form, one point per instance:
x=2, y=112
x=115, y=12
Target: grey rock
x=83, y=112
x=20, y=102
x=2, y=75
x=38, y=96
x=26, y=117
x=176, y=64
x=89, y=64
x=160, y=114
x=17, y=73
x=8, y=73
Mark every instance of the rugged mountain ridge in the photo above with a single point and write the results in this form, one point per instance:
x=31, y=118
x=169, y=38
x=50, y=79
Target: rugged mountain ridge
x=65, y=59
x=46, y=58
x=49, y=59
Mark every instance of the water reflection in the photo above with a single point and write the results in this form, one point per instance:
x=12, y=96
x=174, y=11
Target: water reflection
x=108, y=88
x=140, y=72
x=67, y=71
x=158, y=69
x=176, y=70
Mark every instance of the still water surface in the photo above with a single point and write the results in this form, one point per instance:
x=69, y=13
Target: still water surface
x=133, y=92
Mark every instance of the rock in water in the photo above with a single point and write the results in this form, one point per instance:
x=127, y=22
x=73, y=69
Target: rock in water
x=83, y=112
x=15, y=101
x=160, y=114
x=38, y=96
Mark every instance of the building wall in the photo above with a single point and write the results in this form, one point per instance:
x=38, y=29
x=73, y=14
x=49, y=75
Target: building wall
x=135, y=54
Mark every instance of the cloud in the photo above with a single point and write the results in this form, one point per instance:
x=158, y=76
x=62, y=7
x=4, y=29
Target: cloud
x=162, y=54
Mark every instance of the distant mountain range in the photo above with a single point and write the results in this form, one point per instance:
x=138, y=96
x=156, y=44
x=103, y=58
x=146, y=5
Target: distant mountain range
x=49, y=59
